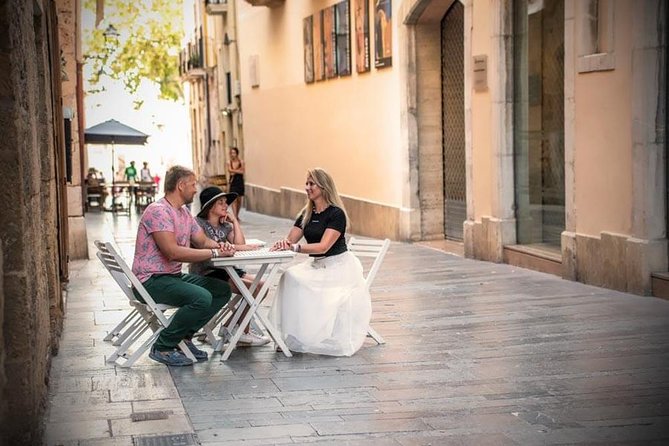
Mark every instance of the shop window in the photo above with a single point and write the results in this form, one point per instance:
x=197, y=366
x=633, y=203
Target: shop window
x=538, y=139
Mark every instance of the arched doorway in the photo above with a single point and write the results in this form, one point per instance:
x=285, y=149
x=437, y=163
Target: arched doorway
x=453, y=121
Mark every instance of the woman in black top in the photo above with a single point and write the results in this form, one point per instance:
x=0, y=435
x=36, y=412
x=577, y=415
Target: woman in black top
x=236, y=170
x=322, y=305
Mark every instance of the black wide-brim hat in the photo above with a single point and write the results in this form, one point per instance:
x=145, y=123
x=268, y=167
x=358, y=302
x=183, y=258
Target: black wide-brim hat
x=208, y=197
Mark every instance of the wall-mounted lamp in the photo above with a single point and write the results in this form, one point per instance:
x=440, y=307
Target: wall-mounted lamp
x=227, y=40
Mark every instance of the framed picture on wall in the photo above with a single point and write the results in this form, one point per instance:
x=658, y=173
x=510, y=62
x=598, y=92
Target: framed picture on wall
x=343, y=49
x=308, y=37
x=329, y=39
x=361, y=17
x=383, y=42
x=319, y=67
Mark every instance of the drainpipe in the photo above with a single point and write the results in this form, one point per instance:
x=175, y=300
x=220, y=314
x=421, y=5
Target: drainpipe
x=206, y=104
x=205, y=67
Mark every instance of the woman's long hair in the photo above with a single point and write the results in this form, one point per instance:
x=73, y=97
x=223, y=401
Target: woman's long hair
x=327, y=185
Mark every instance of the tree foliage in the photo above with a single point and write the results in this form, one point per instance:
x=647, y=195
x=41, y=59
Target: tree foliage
x=147, y=48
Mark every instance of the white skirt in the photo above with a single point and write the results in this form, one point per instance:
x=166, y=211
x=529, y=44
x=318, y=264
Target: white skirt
x=322, y=306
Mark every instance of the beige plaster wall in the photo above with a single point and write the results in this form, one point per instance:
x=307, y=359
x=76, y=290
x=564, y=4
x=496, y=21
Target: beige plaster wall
x=603, y=138
x=481, y=123
x=348, y=125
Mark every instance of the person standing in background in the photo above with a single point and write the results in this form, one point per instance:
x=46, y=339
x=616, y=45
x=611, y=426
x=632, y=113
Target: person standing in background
x=145, y=173
x=131, y=173
x=236, y=170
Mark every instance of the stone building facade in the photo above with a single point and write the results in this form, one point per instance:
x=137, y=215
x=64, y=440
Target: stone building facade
x=209, y=70
x=34, y=236
x=531, y=132
x=69, y=35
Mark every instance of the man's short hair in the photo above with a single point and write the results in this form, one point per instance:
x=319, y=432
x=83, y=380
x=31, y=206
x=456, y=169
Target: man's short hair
x=174, y=175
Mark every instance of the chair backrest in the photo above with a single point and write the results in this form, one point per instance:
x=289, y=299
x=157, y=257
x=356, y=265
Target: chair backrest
x=370, y=248
x=125, y=278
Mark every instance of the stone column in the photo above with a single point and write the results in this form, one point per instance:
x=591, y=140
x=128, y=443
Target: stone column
x=68, y=39
x=568, y=238
x=646, y=249
x=410, y=213
x=499, y=229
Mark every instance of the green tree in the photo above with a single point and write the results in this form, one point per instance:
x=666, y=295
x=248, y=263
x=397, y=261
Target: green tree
x=147, y=48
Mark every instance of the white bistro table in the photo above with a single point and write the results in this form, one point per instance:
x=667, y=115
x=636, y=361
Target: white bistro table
x=269, y=262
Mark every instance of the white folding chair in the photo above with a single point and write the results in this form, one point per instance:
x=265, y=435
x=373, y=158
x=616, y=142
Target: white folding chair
x=142, y=317
x=375, y=249
x=206, y=334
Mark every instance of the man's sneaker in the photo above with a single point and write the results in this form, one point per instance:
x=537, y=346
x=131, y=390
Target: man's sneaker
x=200, y=355
x=253, y=339
x=173, y=358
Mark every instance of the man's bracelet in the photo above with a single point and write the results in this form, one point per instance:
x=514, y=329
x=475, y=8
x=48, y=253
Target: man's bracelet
x=297, y=247
x=214, y=253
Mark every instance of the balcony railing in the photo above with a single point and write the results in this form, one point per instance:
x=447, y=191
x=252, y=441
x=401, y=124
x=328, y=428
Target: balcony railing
x=191, y=60
x=268, y=3
x=216, y=7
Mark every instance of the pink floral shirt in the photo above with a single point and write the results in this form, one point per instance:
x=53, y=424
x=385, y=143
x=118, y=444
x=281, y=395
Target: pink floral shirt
x=161, y=216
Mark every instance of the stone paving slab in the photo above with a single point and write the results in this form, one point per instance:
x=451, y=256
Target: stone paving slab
x=477, y=354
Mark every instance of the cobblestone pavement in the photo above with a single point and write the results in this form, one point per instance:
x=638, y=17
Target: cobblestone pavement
x=477, y=354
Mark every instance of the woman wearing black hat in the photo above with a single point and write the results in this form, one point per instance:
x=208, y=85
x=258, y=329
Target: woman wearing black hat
x=223, y=227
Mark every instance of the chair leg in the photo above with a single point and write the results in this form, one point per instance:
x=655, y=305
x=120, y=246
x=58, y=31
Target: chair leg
x=186, y=351
x=135, y=325
x=122, y=350
x=116, y=331
x=374, y=335
x=207, y=334
x=120, y=333
x=130, y=360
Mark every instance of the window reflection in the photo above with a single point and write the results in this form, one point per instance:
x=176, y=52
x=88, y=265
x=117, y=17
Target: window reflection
x=539, y=120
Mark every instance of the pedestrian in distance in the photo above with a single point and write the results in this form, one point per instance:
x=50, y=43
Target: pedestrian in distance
x=236, y=170
x=322, y=305
x=221, y=226
x=145, y=193
x=145, y=173
x=130, y=174
x=167, y=237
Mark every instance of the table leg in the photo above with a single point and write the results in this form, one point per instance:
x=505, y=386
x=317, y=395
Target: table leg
x=252, y=288
x=255, y=304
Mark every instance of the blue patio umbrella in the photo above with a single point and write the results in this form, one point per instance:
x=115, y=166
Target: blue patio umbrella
x=114, y=132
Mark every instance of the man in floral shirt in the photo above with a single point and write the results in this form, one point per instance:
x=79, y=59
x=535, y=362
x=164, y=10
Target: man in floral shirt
x=167, y=237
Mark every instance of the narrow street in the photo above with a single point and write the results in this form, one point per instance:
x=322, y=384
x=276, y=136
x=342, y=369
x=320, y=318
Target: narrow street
x=477, y=353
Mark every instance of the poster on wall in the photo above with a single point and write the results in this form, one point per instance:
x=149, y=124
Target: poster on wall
x=343, y=26
x=308, y=36
x=383, y=42
x=361, y=14
x=317, y=38
x=329, y=38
